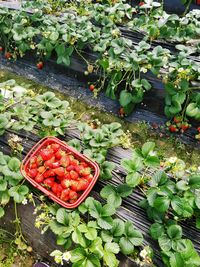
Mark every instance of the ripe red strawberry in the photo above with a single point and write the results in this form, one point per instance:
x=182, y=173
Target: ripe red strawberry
x=59, y=171
x=141, y=3
x=39, y=178
x=66, y=183
x=40, y=65
x=1, y=48
x=177, y=119
x=67, y=176
x=173, y=129
x=33, y=173
x=78, y=168
x=74, y=162
x=55, y=147
x=33, y=160
x=49, y=173
x=89, y=177
x=85, y=172
x=198, y=129
x=74, y=175
x=82, y=185
x=33, y=163
x=33, y=166
x=55, y=165
x=57, y=189
x=70, y=168
x=49, y=182
x=64, y=161
x=41, y=169
x=92, y=87
x=8, y=55
x=84, y=164
x=46, y=154
x=73, y=195
x=39, y=161
x=65, y=194
x=74, y=185
x=59, y=154
x=122, y=112
x=48, y=163
x=184, y=127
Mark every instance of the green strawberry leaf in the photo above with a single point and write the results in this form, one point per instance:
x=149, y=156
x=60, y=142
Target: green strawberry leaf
x=133, y=179
x=174, y=232
x=118, y=228
x=161, y=204
x=105, y=222
x=126, y=246
x=14, y=164
x=147, y=148
x=112, y=247
x=157, y=230
x=62, y=216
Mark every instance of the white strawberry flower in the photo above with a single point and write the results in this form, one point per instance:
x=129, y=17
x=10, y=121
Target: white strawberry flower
x=67, y=256
x=143, y=253
x=172, y=160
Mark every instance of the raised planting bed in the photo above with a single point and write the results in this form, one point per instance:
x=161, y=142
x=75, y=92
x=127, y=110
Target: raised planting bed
x=128, y=210
x=73, y=85
x=176, y=6
x=130, y=62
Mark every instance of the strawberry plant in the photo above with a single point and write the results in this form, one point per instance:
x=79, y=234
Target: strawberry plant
x=180, y=95
x=193, y=109
x=96, y=242
x=96, y=143
x=177, y=197
x=168, y=201
x=166, y=194
x=101, y=213
x=20, y=111
x=158, y=24
x=175, y=249
x=146, y=157
x=11, y=182
x=114, y=195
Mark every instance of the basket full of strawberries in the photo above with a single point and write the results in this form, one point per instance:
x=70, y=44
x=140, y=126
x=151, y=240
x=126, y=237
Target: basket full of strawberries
x=60, y=172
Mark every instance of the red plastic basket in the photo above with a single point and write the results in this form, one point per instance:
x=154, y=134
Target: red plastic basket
x=35, y=150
